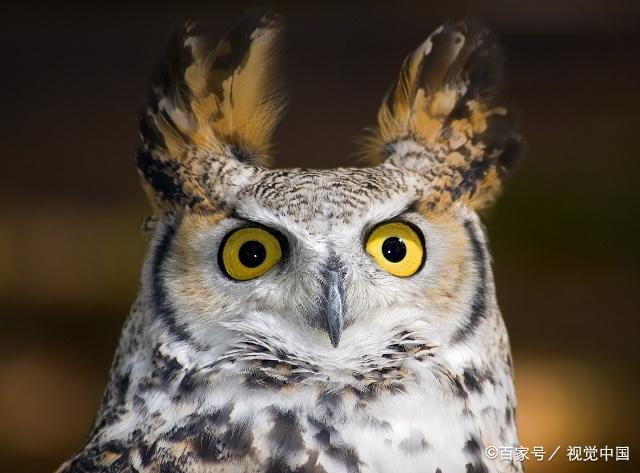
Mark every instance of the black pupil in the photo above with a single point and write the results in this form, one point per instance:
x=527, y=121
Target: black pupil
x=394, y=249
x=252, y=254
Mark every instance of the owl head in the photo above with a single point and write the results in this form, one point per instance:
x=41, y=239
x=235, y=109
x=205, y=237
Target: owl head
x=340, y=269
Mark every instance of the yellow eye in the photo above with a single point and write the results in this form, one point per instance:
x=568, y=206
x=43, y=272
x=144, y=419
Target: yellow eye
x=397, y=248
x=249, y=252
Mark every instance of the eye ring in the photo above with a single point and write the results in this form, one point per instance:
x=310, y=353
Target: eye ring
x=249, y=252
x=398, y=248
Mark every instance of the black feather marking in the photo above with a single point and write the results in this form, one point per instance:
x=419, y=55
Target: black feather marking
x=163, y=308
x=478, y=309
x=472, y=446
x=161, y=175
x=478, y=467
x=327, y=437
x=286, y=432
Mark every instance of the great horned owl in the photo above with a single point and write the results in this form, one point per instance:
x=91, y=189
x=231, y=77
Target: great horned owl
x=327, y=321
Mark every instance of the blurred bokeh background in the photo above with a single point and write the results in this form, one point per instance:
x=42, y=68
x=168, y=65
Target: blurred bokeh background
x=564, y=236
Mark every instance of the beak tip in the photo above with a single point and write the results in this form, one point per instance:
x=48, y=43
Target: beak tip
x=335, y=341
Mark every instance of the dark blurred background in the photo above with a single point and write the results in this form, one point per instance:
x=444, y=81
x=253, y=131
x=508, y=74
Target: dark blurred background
x=564, y=236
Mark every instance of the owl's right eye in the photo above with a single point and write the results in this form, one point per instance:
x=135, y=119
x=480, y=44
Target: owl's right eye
x=249, y=252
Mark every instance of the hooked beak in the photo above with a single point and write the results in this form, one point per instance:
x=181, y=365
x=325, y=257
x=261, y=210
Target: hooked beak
x=333, y=301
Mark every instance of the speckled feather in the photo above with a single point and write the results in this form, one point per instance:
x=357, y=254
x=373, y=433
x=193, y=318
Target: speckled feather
x=446, y=99
x=209, y=100
x=215, y=375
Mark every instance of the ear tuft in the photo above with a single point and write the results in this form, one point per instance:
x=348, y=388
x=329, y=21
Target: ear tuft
x=446, y=101
x=210, y=101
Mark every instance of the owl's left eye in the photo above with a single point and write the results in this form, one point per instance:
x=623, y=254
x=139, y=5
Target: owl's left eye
x=397, y=247
x=249, y=252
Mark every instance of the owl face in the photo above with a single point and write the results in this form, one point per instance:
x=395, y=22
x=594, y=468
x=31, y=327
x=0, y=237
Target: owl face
x=322, y=264
x=330, y=266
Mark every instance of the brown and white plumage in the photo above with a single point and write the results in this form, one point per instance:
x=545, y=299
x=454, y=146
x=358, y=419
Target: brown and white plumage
x=210, y=99
x=330, y=360
x=447, y=99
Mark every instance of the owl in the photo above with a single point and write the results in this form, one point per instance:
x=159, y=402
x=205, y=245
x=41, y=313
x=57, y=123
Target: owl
x=314, y=321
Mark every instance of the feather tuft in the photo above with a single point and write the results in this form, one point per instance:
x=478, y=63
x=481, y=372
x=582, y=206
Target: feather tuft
x=446, y=100
x=209, y=100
